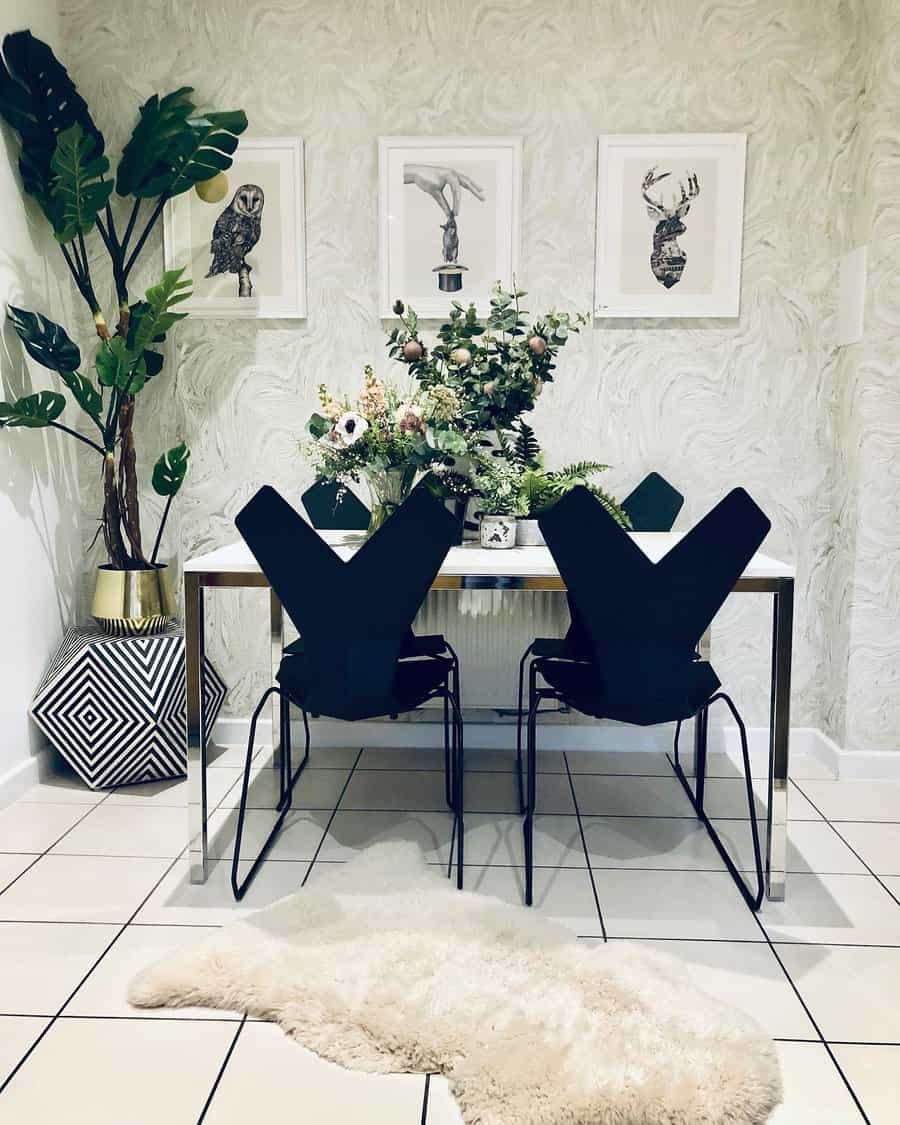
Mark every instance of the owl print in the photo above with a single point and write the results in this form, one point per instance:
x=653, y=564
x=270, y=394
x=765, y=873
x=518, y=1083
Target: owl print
x=234, y=235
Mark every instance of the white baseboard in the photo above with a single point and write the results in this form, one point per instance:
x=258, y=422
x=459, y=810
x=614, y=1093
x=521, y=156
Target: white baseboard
x=24, y=774
x=806, y=742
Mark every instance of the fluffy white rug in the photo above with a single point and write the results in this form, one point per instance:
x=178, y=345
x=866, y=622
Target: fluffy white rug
x=383, y=966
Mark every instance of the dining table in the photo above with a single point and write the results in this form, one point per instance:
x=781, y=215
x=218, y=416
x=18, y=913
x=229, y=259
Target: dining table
x=473, y=567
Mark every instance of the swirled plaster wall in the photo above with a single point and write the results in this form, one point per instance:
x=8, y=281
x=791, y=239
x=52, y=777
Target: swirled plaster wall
x=765, y=401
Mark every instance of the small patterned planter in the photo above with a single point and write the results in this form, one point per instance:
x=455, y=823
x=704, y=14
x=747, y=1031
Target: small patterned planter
x=114, y=707
x=498, y=532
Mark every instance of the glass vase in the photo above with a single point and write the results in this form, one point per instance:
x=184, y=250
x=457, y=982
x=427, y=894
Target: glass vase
x=388, y=488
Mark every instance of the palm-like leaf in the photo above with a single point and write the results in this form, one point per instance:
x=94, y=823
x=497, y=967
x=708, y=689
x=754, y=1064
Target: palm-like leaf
x=45, y=341
x=40, y=101
x=170, y=470
x=152, y=318
x=171, y=148
x=79, y=190
x=33, y=411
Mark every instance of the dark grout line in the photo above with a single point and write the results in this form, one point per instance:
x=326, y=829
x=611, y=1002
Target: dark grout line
x=847, y=843
x=327, y=828
x=809, y=1014
x=584, y=846
x=225, y=1062
x=39, y=856
x=122, y=928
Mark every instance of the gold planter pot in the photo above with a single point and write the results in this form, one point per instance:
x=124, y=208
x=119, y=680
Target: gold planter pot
x=129, y=603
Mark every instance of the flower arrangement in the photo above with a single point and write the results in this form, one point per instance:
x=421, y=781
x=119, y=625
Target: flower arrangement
x=496, y=369
x=387, y=437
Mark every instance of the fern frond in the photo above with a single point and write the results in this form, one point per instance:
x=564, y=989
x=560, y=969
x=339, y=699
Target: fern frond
x=582, y=469
x=526, y=448
x=617, y=513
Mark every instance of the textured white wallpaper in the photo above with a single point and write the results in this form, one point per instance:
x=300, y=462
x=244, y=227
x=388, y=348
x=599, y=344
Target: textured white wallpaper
x=761, y=401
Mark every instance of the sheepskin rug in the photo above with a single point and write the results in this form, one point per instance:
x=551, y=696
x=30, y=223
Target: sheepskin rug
x=383, y=966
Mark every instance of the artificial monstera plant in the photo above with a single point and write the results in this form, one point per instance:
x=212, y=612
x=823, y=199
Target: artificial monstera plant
x=64, y=166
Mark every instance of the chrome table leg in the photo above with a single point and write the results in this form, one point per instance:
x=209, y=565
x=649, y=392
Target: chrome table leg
x=276, y=634
x=779, y=738
x=194, y=651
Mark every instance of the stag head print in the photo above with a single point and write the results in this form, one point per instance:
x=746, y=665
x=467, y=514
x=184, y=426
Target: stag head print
x=667, y=259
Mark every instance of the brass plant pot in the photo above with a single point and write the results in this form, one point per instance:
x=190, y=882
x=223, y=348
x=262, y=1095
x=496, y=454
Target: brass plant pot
x=131, y=603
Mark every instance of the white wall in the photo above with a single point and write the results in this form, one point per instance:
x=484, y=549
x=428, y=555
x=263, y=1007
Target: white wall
x=39, y=502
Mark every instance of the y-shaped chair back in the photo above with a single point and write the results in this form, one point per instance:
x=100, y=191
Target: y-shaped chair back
x=653, y=505
x=641, y=617
x=353, y=616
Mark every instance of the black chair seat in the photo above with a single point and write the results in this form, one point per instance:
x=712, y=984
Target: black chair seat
x=414, y=682
x=429, y=644
x=676, y=690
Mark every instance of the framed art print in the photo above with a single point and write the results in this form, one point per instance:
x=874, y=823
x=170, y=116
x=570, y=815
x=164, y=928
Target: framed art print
x=448, y=220
x=670, y=214
x=242, y=238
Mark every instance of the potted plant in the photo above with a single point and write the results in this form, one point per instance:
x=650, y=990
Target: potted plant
x=387, y=437
x=540, y=488
x=64, y=166
x=497, y=481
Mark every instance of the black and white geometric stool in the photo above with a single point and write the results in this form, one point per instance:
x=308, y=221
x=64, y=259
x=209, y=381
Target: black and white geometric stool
x=114, y=707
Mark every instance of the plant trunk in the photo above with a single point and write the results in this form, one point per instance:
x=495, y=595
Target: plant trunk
x=128, y=489
x=245, y=288
x=112, y=531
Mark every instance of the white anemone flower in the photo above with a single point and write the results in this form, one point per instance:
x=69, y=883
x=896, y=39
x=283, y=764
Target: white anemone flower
x=350, y=427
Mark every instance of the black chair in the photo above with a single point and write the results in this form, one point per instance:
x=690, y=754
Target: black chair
x=353, y=660
x=332, y=507
x=653, y=505
x=643, y=621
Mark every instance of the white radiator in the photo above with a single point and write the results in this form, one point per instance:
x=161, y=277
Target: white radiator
x=490, y=629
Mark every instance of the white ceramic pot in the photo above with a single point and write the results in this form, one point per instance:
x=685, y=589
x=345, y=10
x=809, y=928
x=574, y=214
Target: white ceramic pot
x=498, y=532
x=528, y=534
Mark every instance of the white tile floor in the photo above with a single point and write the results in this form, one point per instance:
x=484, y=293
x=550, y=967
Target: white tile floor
x=94, y=886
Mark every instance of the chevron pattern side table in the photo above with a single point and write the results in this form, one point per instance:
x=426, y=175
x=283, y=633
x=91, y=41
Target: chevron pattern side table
x=115, y=707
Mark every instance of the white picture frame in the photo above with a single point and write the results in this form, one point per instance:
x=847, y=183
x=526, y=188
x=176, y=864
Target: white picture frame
x=415, y=245
x=277, y=262
x=684, y=259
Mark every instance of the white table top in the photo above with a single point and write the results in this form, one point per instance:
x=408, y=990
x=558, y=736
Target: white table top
x=472, y=560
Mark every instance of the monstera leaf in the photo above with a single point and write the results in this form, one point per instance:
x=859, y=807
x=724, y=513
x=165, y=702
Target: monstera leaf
x=40, y=101
x=84, y=392
x=79, y=191
x=170, y=470
x=33, y=411
x=170, y=150
x=46, y=342
x=207, y=150
x=144, y=169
